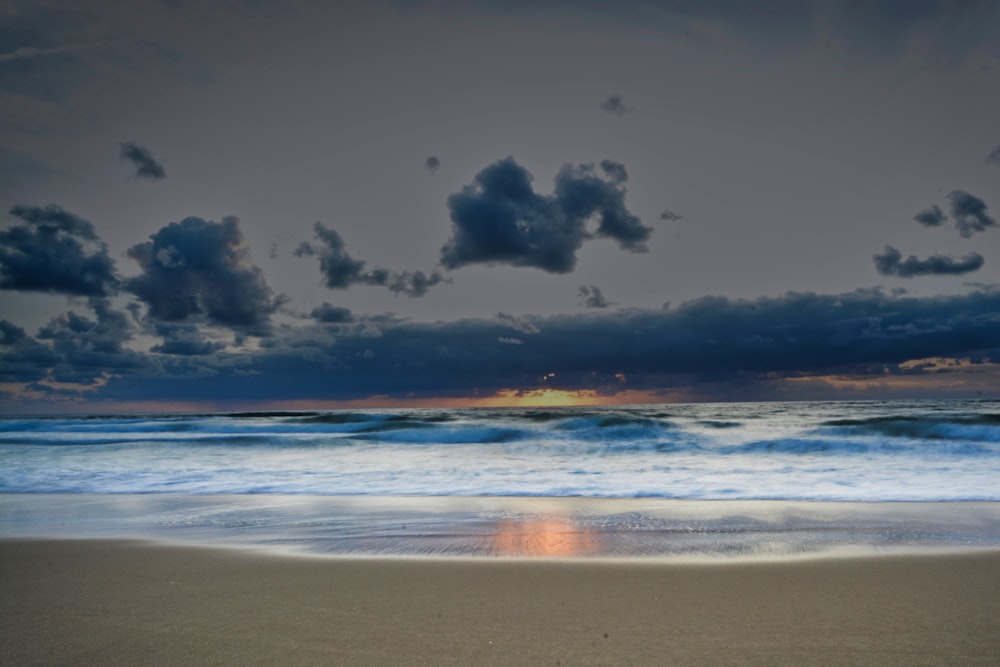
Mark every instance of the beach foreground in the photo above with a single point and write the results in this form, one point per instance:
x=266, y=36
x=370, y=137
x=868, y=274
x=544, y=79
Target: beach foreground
x=130, y=602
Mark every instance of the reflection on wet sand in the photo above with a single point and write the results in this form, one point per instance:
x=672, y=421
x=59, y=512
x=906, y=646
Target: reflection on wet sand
x=558, y=537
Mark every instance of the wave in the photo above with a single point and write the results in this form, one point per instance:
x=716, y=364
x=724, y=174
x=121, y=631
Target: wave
x=981, y=427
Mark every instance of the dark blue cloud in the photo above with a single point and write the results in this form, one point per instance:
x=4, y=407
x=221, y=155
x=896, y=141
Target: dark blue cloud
x=500, y=219
x=72, y=333
x=10, y=333
x=55, y=251
x=200, y=269
x=969, y=213
x=340, y=270
x=146, y=166
x=891, y=263
x=329, y=314
x=931, y=217
x=708, y=343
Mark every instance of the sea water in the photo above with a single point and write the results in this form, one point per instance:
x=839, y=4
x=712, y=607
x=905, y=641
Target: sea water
x=338, y=478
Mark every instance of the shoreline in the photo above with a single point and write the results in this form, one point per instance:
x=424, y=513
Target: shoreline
x=128, y=602
x=498, y=527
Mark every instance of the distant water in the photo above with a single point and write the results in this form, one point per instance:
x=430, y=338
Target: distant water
x=834, y=451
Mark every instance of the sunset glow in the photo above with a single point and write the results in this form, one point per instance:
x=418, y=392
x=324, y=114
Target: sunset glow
x=553, y=538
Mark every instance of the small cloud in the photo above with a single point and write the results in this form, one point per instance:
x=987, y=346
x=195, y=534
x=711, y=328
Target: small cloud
x=506, y=340
x=329, y=314
x=432, y=163
x=891, y=263
x=994, y=157
x=931, y=217
x=615, y=105
x=969, y=213
x=340, y=270
x=670, y=215
x=146, y=166
x=591, y=297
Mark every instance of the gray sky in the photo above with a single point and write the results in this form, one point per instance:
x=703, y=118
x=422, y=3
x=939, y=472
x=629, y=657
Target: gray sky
x=715, y=149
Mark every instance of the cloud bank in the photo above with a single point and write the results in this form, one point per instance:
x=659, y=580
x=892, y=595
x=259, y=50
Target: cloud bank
x=707, y=345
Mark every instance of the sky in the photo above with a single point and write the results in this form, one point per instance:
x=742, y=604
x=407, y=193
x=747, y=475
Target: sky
x=247, y=204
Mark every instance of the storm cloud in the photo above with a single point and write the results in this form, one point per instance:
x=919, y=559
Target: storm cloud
x=712, y=344
x=55, y=251
x=500, y=219
x=140, y=157
x=340, y=270
x=198, y=268
x=969, y=213
x=891, y=263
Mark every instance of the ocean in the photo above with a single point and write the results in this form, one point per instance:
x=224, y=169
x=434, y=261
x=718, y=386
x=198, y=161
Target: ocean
x=645, y=480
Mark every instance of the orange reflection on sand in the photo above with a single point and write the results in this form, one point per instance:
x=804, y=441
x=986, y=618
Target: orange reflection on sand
x=544, y=537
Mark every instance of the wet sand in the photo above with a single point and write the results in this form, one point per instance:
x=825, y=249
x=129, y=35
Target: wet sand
x=128, y=602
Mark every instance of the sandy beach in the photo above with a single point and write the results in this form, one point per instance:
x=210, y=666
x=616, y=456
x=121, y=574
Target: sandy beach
x=130, y=602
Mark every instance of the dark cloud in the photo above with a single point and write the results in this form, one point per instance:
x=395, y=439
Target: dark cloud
x=891, y=263
x=500, y=219
x=77, y=333
x=55, y=251
x=969, y=213
x=329, y=314
x=200, y=268
x=432, y=163
x=615, y=171
x=614, y=104
x=146, y=166
x=709, y=343
x=931, y=217
x=591, y=297
x=994, y=157
x=10, y=333
x=670, y=215
x=340, y=270
x=77, y=352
